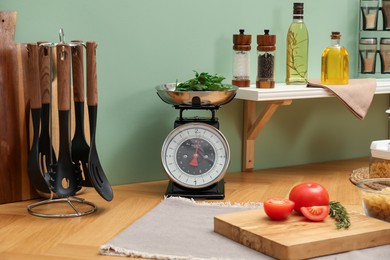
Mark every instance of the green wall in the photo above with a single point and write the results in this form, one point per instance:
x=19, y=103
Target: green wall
x=143, y=43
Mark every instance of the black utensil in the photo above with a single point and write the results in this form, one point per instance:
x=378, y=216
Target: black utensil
x=33, y=165
x=65, y=175
x=46, y=152
x=97, y=175
x=80, y=147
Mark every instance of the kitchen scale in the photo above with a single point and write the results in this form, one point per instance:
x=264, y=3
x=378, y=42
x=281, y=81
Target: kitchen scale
x=195, y=154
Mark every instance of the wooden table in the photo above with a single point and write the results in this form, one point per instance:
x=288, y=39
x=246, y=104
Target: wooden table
x=24, y=236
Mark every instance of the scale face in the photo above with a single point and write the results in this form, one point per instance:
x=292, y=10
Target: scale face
x=195, y=156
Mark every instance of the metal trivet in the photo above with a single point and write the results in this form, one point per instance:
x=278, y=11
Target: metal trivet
x=74, y=203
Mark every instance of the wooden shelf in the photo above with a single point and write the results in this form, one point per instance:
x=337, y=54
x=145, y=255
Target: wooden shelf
x=281, y=95
x=283, y=92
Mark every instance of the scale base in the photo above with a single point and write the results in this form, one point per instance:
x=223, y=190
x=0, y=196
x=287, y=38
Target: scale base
x=215, y=191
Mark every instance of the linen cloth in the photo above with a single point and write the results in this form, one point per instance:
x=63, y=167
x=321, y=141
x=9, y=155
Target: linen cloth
x=357, y=95
x=179, y=228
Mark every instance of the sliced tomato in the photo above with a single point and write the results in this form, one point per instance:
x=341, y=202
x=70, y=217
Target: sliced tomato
x=316, y=213
x=277, y=208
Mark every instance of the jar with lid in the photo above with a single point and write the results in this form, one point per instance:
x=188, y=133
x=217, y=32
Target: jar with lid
x=384, y=54
x=367, y=50
x=380, y=159
x=265, y=60
x=241, y=59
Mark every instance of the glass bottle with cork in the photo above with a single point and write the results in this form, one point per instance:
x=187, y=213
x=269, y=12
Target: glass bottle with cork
x=297, y=49
x=265, y=60
x=335, y=62
x=241, y=59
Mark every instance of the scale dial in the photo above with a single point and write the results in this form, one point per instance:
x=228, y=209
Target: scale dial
x=195, y=155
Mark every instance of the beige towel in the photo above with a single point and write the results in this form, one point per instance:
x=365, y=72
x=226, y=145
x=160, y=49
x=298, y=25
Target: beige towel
x=356, y=95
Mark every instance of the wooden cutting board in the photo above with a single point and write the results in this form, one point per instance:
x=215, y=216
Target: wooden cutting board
x=14, y=182
x=297, y=238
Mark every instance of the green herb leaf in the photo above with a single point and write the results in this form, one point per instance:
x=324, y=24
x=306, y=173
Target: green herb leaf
x=340, y=214
x=203, y=82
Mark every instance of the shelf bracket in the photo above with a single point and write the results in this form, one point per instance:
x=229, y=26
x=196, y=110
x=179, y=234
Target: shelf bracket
x=253, y=126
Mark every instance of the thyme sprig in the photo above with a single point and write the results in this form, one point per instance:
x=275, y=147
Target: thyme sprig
x=340, y=214
x=292, y=58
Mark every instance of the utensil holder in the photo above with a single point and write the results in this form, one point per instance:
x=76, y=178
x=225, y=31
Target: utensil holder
x=68, y=205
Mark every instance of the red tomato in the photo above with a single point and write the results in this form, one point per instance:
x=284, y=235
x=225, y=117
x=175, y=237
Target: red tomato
x=278, y=209
x=316, y=213
x=309, y=194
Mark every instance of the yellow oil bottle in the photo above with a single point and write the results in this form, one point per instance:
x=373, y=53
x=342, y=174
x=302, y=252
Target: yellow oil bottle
x=335, y=63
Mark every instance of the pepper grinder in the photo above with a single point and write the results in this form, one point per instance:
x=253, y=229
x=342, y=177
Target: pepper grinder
x=241, y=59
x=265, y=60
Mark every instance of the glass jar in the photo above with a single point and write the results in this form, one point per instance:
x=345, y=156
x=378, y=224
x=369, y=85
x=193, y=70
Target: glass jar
x=384, y=54
x=266, y=60
x=380, y=159
x=367, y=50
x=369, y=9
x=241, y=59
x=386, y=14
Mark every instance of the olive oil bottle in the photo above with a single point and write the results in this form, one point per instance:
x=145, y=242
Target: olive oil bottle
x=297, y=49
x=335, y=63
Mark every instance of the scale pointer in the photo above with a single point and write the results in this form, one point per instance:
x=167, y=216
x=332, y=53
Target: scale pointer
x=194, y=161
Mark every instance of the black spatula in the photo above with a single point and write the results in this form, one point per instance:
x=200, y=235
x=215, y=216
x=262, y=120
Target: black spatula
x=97, y=175
x=46, y=152
x=34, y=171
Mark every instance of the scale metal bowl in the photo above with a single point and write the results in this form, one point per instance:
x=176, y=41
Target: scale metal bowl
x=195, y=98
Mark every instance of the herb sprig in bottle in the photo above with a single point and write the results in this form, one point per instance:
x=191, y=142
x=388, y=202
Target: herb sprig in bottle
x=297, y=49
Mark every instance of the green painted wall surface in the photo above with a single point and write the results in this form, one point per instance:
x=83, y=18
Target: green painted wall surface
x=144, y=43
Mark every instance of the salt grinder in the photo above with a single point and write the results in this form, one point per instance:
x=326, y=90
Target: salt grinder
x=241, y=60
x=265, y=60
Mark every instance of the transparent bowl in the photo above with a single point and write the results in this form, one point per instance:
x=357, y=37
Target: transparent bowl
x=375, y=196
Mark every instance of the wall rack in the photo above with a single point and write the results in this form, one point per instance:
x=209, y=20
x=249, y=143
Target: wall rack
x=281, y=95
x=379, y=32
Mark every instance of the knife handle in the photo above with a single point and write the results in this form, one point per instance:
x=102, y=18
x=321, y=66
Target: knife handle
x=33, y=75
x=78, y=71
x=44, y=71
x=92, y=95
x=63, y=76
